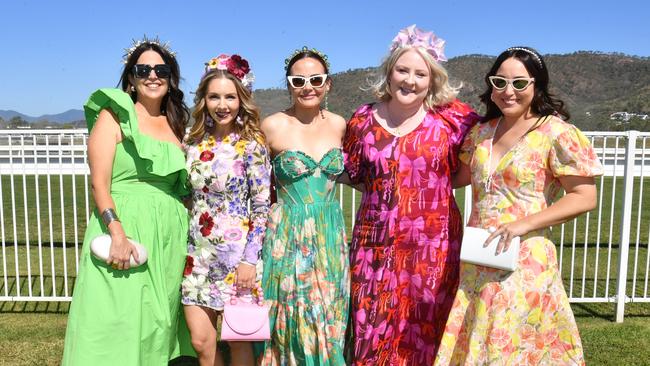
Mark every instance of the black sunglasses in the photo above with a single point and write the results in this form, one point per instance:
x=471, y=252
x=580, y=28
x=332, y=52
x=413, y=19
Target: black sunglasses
x=142, y=71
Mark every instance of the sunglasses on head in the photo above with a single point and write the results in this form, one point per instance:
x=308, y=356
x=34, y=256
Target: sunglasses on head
x=142, y=71
x=316, y=81
x=518, y=84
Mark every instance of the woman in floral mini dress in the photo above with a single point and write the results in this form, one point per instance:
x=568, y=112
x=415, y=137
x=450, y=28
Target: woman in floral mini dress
x=518, y=160
x=228, y=166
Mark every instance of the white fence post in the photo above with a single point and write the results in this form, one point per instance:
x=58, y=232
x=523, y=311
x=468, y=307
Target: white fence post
x=626, y=217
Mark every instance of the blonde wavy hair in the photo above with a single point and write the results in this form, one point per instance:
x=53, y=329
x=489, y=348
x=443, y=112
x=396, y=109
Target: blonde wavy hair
x=249, y=112
x=440, y=91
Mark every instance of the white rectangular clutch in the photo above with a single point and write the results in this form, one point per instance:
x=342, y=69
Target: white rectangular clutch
x=472, y=250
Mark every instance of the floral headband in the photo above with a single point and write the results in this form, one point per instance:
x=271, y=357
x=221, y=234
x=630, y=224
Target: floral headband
x=234, y=64
x=305, y=49
x=415, y=37
x=137, y=43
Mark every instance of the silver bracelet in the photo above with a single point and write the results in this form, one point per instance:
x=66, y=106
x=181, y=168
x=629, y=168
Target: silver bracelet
x=108, y=216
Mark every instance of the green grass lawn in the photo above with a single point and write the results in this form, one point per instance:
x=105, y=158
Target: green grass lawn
x=31, y=333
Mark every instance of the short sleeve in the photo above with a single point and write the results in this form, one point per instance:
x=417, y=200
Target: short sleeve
x=468, y=146
x=572, y=154
x=353, y=144
x=460, y=118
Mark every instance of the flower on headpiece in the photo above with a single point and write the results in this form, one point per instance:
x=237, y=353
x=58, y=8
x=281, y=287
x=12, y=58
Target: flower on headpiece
x=234, y=64
x=413, y=36
x=237, y=66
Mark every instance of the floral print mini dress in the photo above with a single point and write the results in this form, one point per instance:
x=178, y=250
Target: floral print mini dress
x=224, y=175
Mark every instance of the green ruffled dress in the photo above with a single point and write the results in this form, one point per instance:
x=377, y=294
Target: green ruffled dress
x=131, y=317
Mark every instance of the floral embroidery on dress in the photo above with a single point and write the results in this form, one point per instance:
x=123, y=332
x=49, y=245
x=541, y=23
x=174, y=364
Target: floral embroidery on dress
x=224, y=175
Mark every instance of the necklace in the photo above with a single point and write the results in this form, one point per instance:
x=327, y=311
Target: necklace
x=406, y=126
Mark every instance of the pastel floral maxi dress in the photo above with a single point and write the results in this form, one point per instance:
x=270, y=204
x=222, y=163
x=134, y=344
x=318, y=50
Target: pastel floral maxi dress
x=405, y=247
x=224, y=175
x=521, y=317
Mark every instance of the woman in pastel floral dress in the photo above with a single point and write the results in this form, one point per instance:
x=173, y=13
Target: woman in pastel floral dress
x=518, y=160
x=228, y=166
x=306, y=270
x=406, y=241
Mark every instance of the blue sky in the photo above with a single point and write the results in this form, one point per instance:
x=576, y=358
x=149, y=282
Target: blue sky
x=53, y=54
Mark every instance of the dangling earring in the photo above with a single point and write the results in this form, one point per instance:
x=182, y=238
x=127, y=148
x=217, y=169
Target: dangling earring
x=239, y=121
x=327, y=106
x=209, y=122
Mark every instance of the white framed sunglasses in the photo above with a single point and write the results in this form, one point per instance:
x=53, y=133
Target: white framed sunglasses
x=298, y=82
x=518, y=84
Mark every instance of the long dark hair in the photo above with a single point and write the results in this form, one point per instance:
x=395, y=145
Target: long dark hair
x=172, y=106
x=543, y=103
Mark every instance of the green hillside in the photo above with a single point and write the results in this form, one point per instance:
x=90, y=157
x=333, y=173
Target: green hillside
x=593, y=85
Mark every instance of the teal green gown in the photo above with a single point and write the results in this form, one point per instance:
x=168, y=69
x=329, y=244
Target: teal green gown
x=306, y=265
x=131, y=317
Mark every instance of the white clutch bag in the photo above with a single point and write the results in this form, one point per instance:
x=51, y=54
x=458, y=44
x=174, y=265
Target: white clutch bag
x=472, y=250
x=100, y=247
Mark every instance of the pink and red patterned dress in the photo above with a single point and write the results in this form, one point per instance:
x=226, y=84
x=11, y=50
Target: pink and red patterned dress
x=521, y=317
x=405, y=249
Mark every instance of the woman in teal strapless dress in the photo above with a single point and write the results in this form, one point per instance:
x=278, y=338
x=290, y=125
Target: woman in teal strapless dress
x=121, y=315
x=305, y=253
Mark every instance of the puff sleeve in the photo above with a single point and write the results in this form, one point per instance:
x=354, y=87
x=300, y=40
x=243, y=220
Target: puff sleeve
x=572, y=154
x=353, y=144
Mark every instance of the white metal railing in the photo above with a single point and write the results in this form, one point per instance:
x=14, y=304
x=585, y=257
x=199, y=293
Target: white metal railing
x=45, y=203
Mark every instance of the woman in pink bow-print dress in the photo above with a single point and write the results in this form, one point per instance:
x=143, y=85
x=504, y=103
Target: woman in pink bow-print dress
x=405, y=249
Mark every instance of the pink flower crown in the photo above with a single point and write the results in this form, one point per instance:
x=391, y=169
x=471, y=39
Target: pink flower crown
x=234, y=64
x=413, y=36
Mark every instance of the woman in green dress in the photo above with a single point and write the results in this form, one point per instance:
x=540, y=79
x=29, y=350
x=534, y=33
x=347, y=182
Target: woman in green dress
x=123, y=315
x=306, y=266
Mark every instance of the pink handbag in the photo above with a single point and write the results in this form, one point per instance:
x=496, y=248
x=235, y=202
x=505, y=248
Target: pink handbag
x=245, y=321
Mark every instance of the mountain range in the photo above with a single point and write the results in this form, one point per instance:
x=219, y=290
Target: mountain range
x=70, y=115
x=592, y=84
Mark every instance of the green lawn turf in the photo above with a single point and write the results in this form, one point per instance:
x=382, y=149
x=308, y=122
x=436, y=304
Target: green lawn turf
x=31, y=333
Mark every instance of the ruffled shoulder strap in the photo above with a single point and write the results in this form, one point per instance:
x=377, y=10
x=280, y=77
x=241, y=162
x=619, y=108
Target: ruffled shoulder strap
x=162, y=157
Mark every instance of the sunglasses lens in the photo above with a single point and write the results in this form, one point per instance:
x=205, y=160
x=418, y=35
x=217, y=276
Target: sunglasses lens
x=163, y=71
x=499, y=83
x=141, y=71
x=297, y=81
x=520, y=84
x=317, y=81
